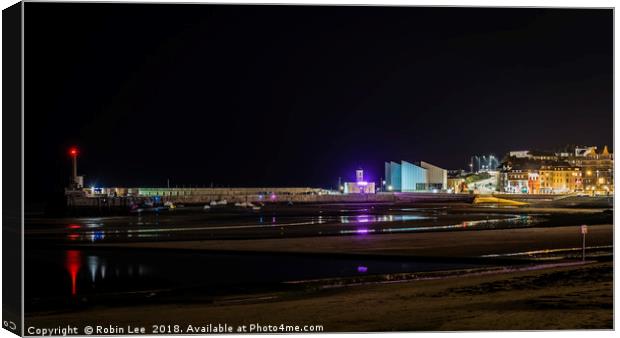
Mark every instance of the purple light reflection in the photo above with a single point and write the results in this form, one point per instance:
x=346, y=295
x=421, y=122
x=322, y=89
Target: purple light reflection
x=363, y=219
x=362, y=269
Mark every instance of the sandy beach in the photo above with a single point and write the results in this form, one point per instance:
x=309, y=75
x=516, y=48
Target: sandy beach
x=578, y=297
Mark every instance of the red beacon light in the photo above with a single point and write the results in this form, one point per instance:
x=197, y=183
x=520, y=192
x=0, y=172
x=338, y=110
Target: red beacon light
x=73, y=151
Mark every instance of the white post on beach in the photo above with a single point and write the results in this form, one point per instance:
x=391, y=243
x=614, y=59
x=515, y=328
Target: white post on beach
x=584, y=231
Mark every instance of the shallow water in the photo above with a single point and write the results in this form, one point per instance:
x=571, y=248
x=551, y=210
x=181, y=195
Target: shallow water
x=61, y=276
x=60, y=273
x=195, y=226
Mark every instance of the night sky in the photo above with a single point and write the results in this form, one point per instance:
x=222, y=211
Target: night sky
x=298, y=96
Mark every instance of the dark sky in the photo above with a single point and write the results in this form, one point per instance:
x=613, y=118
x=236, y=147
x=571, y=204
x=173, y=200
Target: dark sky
x=298, y=96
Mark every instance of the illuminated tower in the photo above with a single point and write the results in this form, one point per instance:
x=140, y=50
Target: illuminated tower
x=359, y=175
x=75, y=180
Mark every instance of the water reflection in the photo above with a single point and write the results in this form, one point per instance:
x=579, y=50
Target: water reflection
x=86, y=276
x=93, y=264
x=92, y=236
x=517, y=220
x=73, y=263
x=380, y=218
x=95, y=268
x=74, y=226
x=94, y=232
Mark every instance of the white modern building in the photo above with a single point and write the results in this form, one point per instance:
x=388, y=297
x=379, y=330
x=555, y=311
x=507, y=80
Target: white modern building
x=436, y=178
x=409, y=177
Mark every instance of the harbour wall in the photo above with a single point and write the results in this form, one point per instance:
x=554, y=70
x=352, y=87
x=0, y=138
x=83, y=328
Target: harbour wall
x=236, y=197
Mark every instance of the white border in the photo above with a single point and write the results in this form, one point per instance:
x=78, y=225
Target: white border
x=470, y=3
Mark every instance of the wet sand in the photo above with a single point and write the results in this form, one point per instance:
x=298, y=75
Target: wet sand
x=576, y=297
x=430, y=244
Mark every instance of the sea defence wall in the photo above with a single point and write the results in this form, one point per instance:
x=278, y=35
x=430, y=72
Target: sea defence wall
x=202, y=196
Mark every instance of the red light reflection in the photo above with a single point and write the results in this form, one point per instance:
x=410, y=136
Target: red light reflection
x=73, y=261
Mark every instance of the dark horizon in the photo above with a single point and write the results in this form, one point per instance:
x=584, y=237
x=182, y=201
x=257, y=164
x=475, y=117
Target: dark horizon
x=269, y=95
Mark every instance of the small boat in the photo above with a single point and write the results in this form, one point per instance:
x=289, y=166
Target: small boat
x=147, y=206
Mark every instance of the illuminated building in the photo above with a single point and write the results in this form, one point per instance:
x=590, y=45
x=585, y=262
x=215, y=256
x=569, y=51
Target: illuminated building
x=360, y=186
x=560, y=178
x=436, y=178
x=519, y=153
x=409, y=177
x=359, y=175
x=540, y=177
x=517, y=181
x=457, y=184
x=534, y=172
x=597, y=169
x=393, y=176
x=357, y=188
x=533, y=182
x=520, y=175
x=585, y=151
x=537, y=155
x=413, y=177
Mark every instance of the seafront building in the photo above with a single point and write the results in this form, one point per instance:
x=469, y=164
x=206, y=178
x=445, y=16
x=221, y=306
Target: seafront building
x=597, y=169
x=559, y=178
x=414, y=177
x=535, y=172
x=360, y=186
